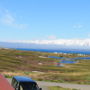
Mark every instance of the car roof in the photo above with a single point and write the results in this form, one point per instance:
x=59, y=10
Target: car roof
x=23, y=79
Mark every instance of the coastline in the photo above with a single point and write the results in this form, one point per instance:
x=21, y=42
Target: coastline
x=81, y=52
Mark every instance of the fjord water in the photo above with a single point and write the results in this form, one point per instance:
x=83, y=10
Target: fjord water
x=64, y=59
x=57, y=51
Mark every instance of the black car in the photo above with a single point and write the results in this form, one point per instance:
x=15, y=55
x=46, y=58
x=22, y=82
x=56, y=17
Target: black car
x=24, y=83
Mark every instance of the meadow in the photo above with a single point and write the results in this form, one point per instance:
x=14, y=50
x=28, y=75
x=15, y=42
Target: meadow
x=38, y=66
x=60, y=88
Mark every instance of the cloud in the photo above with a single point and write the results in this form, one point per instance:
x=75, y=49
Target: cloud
x=78, y=26
x=8, y=19
x=52, y=37
x=63, y=42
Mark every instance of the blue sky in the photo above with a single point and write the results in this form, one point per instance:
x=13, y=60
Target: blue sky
x=44, y=19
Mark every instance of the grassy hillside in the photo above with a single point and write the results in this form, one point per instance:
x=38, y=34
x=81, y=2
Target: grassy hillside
x=60, y=88
x=13, y=60
x=39, y=67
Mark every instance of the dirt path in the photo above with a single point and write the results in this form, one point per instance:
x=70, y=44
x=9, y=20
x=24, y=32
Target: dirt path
x=65, y=85
x=45, y=85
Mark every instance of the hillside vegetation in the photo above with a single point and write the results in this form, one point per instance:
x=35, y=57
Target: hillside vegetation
x=60, y=88
x=38, y=66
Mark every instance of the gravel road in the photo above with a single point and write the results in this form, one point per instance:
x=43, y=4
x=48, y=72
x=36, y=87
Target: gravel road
x=45, y=85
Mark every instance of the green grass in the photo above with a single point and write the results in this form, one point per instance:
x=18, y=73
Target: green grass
x=25, y=62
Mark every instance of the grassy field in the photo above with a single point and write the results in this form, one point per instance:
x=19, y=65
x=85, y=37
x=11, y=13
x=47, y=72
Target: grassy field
x=39, y=67
x=60, y=88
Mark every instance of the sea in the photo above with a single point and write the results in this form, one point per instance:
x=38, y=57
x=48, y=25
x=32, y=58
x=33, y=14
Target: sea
x=64, y=59
x=57, y=51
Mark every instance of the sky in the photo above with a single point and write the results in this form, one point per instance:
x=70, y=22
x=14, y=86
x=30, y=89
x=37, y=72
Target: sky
x=26, y=20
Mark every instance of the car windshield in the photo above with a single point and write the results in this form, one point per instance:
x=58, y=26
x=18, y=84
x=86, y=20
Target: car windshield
x=28, y=86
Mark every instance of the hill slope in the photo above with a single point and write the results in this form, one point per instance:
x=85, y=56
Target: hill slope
x=14, y=60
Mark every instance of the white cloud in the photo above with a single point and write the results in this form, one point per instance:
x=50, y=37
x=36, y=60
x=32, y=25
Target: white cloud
x=65, y=42
x=52, y=37
x=78, y=26
x=8, y=19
